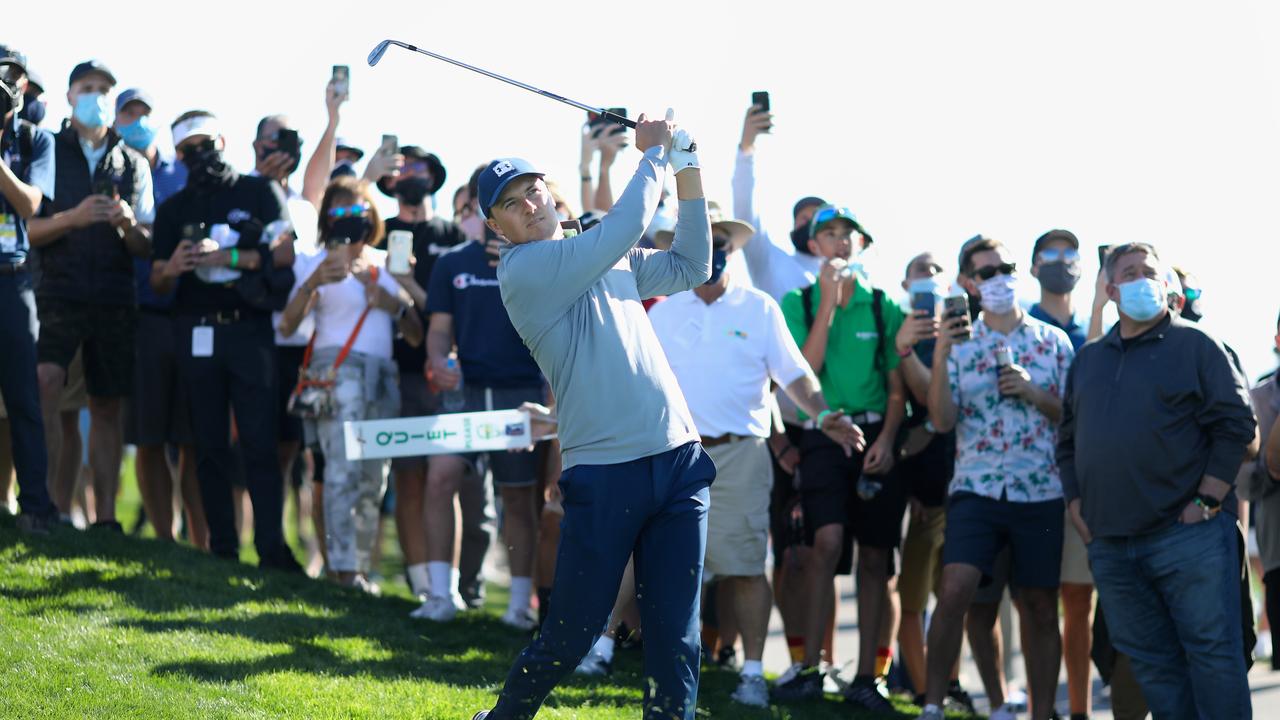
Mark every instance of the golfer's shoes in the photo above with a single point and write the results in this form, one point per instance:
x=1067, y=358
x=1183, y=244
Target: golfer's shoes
x=594, y=665
x=437, y=609
x=752, y=691
x=480, y=715
x=522, y=620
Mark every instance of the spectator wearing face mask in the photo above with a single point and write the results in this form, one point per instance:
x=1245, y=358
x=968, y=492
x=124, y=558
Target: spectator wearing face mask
x=413, y=176
x=725, y=342
x=1156, y=425
x=358, y=308
x=211, y=246
x=772, y=269
x=1055, y=262
x=157, y=412
x=927, y=464
x=491, y=370
x=26, y=179
x=844, y=327
x=1001, y=391
x=86, y=238
x=345, y=157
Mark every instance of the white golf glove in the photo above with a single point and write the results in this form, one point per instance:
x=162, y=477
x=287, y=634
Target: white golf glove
x=683, y=149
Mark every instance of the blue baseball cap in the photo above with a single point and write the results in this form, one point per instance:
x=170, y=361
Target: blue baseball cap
x=497, y=175
x=132, y=94
x=91, y=66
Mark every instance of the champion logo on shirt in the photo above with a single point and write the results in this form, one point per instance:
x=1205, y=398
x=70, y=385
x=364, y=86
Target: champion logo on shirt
x=740, y=334
x=237, y=215
x=462, y=281
x=866, y=335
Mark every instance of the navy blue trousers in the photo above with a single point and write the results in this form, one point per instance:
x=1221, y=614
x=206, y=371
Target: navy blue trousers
x=654, y=507
x=21, y=391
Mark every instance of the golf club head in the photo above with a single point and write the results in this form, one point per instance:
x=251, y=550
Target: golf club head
x=378, y=52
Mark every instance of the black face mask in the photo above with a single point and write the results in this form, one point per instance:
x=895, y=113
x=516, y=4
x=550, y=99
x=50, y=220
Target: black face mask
x=32, y=110
x=800, y=238
x=719, y=258
x=1191, y=311
x=6, y=101
x=205, y=167
x=353, y=228
x=1059, y=278
x=412, y=190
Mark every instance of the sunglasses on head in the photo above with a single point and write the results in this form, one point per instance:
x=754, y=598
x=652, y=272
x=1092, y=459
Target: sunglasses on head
x=358, y=210
x=990, y=271
x=1059, y=254
x=830, y=213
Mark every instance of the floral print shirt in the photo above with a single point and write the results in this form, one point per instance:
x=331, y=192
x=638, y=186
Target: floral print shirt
x=1005, y=446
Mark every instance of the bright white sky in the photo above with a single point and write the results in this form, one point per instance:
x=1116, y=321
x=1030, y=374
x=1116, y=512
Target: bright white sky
x=933, y=121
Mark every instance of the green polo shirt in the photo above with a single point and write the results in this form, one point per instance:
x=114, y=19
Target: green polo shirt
x=849, y=378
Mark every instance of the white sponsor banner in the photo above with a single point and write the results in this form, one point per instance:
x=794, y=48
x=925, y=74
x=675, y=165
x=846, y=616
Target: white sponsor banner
x=437, y=434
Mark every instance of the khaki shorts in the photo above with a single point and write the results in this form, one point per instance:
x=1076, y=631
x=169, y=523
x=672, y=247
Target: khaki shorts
x=74, y=396
x=1075, y=557
x=738, y=521
x=922, y=559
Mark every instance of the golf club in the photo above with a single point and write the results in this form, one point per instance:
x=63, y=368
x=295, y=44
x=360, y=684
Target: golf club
x=381, y=49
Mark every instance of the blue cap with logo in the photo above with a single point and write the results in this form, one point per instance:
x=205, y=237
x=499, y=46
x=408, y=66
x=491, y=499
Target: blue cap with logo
x=91, y=66
x=497, y=175
x=132, y=94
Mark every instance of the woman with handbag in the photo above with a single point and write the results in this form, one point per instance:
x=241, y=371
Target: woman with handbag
x=348, y=373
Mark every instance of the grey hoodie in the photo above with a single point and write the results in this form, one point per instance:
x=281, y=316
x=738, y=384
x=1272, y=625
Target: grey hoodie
x=576, y=304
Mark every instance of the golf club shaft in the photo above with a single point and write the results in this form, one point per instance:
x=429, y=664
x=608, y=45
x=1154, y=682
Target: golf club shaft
x=377, y=55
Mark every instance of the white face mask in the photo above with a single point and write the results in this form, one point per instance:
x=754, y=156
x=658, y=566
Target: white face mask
x=999, y=294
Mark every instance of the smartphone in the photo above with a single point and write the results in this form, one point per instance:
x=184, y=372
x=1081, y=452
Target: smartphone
x=924, y=301
x=571, y=227
x=342, y=79
x=594, y=118
x=390, y=145
x=1102, y=255
x=399, y=248
x=334, y=242
x=287, y=142
x=760, y=99
x=957, y=306
x=105, y=185
x=195, y=232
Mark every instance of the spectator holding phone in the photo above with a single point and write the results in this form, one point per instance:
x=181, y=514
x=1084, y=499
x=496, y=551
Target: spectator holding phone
x=1156, y=425
x=210, y=245
x=608, y=139
x=99, y=219
x=358, y=307
x=1001, y=392
x=26, y=179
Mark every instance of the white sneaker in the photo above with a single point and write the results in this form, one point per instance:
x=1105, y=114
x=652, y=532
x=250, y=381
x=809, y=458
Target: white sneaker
x=594, y=665
x=458, y=603
x=753, y=691
x=523, y=620
x=436, y=608
x=1004, y=712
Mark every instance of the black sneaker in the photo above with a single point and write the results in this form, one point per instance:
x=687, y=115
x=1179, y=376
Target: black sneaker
x=480, y=715
x=727, y=658
x=865, y=694
x=284, y=561
x=37, y=524
x=473, y=595
x=805, y=685
x=958, y=700
x=108, y=525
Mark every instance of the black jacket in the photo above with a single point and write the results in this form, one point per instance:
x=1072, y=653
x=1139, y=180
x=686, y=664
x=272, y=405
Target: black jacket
x=90, y=264
x=1142, y=426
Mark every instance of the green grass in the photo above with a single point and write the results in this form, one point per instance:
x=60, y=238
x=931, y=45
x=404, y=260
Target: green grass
x=99, y=625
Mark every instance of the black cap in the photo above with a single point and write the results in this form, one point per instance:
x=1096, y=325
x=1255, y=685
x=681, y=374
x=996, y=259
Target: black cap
x=11, y=56
x=803, y=203
x=90, y=66
x=34, y=82
x=1051, y=236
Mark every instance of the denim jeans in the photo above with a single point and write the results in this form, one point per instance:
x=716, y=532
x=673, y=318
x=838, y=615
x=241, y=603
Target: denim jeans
x=1172, y=600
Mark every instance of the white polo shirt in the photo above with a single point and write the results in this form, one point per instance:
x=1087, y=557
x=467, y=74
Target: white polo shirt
x=724, y=355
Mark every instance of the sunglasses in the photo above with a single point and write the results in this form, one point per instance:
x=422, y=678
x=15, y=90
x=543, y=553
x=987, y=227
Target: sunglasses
x=359, y=210
x=831, y=213
x=1192, y=293
x=1053, y=255
x=11, y=74
x=990, y=271
x=720, y=241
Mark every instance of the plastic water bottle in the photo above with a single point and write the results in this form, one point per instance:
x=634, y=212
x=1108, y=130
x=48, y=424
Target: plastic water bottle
x=454, y=400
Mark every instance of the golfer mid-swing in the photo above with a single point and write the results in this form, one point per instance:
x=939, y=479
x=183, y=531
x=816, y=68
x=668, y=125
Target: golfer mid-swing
x=635, y=476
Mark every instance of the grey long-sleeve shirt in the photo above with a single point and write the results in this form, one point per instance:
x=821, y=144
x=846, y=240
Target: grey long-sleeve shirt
x=576, y=304
x=1142, y=426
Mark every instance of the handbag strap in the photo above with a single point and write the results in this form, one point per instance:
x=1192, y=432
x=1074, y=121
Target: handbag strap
x=346, y=349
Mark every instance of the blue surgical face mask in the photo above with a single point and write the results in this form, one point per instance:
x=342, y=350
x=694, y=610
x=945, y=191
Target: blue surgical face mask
x=92, y=110
x=139, y=134
x=1142, y=299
